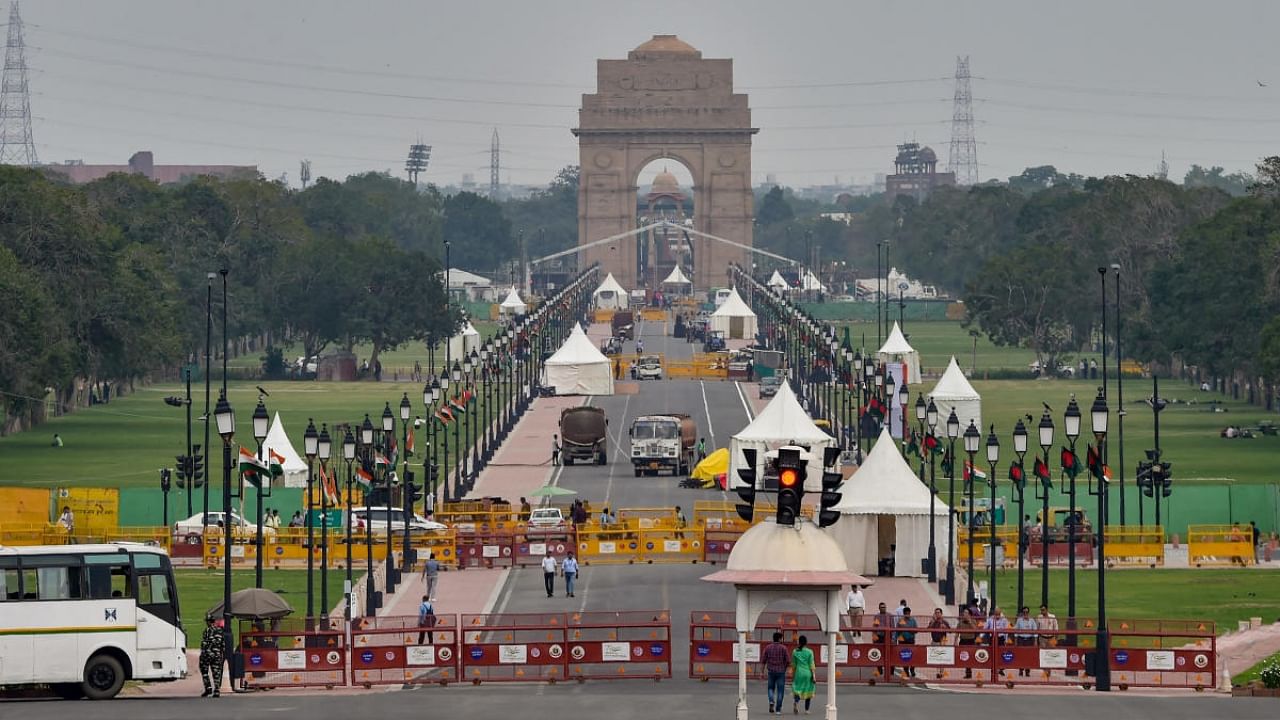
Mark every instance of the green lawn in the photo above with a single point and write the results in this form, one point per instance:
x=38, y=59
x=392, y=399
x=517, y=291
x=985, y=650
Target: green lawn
x=1221, y=595
x=200, y=590
x=400, y=359
x=1251, y=674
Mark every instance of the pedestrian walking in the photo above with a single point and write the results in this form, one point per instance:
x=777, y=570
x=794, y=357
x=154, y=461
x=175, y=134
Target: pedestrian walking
x=775, y=660
x=549, y=574
x=212, y=654
x=801, y=676
x=855, y=603
x=570, y=569
x=555, y=449
x=431, y=575
x=426, y=620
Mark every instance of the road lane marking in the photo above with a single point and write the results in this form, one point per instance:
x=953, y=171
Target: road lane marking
x=746, y=406
x=707, y=409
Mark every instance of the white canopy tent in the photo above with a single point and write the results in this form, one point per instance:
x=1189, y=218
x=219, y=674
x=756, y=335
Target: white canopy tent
x=810, y=282
x=883, y=505
x=777, y=281
x=611, y=295
x=677, y=277
x=295, y=469
x=578, y=368
x=897, y=350
x=513, y=305
x=954, y=391
x=782, y=422
x=734, y=318
x=467, y=339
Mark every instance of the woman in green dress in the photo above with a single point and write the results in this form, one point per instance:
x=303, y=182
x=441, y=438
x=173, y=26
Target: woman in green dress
x=802, y=676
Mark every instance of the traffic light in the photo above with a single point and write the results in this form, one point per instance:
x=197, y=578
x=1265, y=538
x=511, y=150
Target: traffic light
x=182, y=471
x=1145, y=473
x=747, y=492
x=791, y=476
x=1166, y=479
x=164, y=479
x=831, y=480
x=414, y=491
x=196, y=471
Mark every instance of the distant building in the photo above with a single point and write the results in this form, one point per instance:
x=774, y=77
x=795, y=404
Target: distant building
x=915, y=173
x=142, y=163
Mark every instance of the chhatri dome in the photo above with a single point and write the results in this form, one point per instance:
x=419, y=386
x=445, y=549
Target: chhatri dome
x=665, y=45
x=664, y=183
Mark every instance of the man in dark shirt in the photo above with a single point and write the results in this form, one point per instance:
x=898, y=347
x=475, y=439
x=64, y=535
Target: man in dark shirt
x=775, y=659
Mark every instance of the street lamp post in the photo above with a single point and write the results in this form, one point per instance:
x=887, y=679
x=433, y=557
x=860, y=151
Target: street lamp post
x=310, y=446
x=1020, y=484
x=430, y=391
x=441, y=388
x=1046, y=441
x=972, y=437
x=930, y=443
x=349, y=455
x=370, y=592
x=324, y=446
x=993, y=455
x=407, y=556
x=1098, y=415
x=953, y=431
x=1120, y=413
x=473, y=419
x=388, y=437
x=904, y=396
x=459, y=452
x=261, y=422
x=1071, y=421
x=225, y=418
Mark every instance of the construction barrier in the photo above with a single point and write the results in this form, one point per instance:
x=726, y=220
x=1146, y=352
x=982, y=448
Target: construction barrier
x=1006, y=536
x=1155, y=653
x=397, y=650
x=513, y=647
x=609, y=546
x=1134, y=545
x=532, y=546
x=286, y=653
x=1219, y=545
x=603, y=316
x=1058, y=551
x=486, y=551
x=717, y=544
x=619, y=645
x=696, y=371
x=653, y=315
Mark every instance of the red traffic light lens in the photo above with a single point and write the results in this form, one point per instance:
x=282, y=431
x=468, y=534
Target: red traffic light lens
x=787, y=478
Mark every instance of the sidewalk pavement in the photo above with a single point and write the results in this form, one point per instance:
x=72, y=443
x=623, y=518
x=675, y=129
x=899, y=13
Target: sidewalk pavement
x=523, y=463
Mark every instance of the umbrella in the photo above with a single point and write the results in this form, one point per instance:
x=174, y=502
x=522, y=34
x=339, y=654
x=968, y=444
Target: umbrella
x=256, y=604
x=551, y=491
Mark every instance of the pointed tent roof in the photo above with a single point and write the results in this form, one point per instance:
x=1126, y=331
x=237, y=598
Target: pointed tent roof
x=776, y=280
x=610, y=284
x=886, y=485
x=676, y=277
x=278, y=440
x=468, y=330
x=734, y=306
x=810, y=282
x=896, y=344
x=513, y=301
x=783, y=419
x=954, y=385
x=577, y=350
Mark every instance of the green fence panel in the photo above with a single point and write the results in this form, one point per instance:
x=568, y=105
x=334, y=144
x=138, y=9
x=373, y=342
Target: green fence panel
x=144, y=507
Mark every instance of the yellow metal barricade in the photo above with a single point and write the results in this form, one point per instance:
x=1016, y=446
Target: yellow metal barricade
x=19, y=533
x=608, y=546
x=158, y=536
x=1218, y=545
x=671, y=545
x=603, y=316
x=1135, y=545
x=1006, y=536
x=653, y=314
x=648, y=518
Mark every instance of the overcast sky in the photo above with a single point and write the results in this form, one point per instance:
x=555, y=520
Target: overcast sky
x=1091, y=86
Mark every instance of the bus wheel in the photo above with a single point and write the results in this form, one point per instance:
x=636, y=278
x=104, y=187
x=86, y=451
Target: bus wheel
x=103, y=677
x=67, y=691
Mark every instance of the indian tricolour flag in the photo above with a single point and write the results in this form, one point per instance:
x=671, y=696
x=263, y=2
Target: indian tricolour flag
x=251, y=467
x=276, y=462
x=364, y=479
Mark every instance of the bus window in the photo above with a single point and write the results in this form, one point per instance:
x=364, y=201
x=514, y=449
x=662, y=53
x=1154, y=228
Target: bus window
x=59, y=583
x=9, y=589
x=109, y=581
x=153, y=590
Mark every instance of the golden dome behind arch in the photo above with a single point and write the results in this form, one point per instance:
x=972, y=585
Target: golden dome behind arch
x=665, y=182
x=667, y=45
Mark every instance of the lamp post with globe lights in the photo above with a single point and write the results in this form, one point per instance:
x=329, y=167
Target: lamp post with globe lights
x=348, y=455
x=972, y=438
x=993, y=455
x=1018, y=475
x=261, y=423
x=324, y=445
x=388, y=472
x=953, y=431
x=225, y=418
x=1045, y=430
x=310, y=448
x=1099, y=415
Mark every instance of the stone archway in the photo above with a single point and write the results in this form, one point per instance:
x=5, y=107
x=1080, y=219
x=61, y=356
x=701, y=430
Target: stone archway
x=665, y=101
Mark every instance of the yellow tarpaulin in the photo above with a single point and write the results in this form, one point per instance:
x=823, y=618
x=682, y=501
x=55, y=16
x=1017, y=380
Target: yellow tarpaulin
x=96, y=508
x=24, y=506
x=713, y=466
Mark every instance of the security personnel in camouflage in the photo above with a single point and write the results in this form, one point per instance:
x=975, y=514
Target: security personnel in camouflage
x=212, y=656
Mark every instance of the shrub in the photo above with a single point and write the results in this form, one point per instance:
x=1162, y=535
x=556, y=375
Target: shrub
x=1270, y=675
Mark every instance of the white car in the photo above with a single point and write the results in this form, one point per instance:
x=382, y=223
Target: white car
x=192, y=529
x=649, y=368
x=546, y=517
x=376, y=516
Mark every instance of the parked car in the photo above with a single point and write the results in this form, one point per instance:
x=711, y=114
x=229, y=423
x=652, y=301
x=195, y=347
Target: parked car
x=376, y=516
x=649, y=368
x=191, y=530
x=769, y=385
x=546, y=518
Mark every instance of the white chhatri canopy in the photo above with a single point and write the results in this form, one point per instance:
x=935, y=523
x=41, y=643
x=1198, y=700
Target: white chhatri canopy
x=295, y=469
x=810, y=282
x=611, y=295
x=896, y=349
x=734, y=318
x=777, y=281
x=782, y=422
x=676, y=277
x=461, y=345
x=954, y=391
x=513, y=304
x=884, y=504
x=578, y=368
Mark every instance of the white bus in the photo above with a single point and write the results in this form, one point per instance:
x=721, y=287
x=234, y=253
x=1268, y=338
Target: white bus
x=83, y=619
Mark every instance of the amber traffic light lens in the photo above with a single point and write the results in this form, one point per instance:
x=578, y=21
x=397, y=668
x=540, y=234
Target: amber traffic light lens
x=787, y=479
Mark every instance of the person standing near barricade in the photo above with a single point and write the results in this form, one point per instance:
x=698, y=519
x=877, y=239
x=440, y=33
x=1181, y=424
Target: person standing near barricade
x=966, y=634
x=212, y=655
x=570, y=569
x=802, y=668
x=549, y=574
x=775, y=659
x=906, y=635
x=67, y=521
x=855, y=603
x=681, y=523
x=1047, y=623
x=426, y=620
x=431, y=575
x=555, y=449
x=1025, y=633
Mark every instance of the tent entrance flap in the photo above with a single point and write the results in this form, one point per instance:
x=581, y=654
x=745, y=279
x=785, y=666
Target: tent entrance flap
x=886, y=544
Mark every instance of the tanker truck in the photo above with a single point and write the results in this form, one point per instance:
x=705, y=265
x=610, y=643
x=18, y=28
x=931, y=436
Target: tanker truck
x=663, y=442
x=582, y=435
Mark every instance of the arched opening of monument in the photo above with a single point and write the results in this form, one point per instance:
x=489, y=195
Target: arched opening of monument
x=664, y=192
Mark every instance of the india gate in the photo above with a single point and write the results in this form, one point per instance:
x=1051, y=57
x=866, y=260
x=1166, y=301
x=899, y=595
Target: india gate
x=665, y=101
